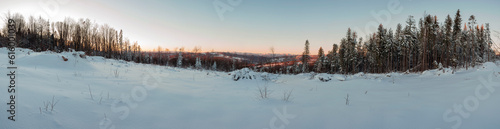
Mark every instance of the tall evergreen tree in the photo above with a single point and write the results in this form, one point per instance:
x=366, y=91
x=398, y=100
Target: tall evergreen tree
x=473, y=40
x=179, y=59
x=489, y=43
x=381, y=41
x=410, y=41
x=448, y=41
x=343, y=56
x=400, y=46
x=457, y=39
x=214, y=66
x=305, y=58
x=333, y=58
x=318, y=65
x=198, y=63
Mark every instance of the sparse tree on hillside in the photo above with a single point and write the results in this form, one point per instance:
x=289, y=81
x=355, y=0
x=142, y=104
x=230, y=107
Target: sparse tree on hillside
x=318, y=65
x=333, y=59
x=214, y=66
x=198, y=63
x=305, y=58
x=179, y=58
x=272, y=56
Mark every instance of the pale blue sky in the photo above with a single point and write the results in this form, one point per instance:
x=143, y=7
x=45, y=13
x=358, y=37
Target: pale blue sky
x=252, y=25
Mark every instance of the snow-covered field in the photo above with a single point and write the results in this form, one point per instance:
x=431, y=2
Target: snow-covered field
x=95, y=93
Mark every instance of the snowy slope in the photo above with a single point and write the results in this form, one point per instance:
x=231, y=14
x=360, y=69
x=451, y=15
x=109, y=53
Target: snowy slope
x=140, y=96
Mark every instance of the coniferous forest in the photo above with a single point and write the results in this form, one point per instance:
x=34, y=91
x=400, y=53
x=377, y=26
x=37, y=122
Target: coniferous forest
x=414, y=46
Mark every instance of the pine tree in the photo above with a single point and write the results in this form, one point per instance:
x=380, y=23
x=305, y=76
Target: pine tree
x=305, y=58
x=333, y=59
x=214, y=66
x=457, y=39
x=382, y=51
x=399, y=46
x=373, y=54
x=448, y=43
x=348, y=55
x=159, y=56
x=436, y=43
x=465, y=47
x=198, y=63
x=473, y=40
x=233, y=66
x=410, y=39
x=146, y=59
x=318, y=65
x=389, y=49
x=489, y=43
x=425, y=39
x=120, y=42
x=343, y=56
x=179, y=59
x=353, y=54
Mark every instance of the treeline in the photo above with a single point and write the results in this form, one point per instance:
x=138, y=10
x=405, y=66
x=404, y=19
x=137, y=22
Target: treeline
x=409, y=48
x=41, y=34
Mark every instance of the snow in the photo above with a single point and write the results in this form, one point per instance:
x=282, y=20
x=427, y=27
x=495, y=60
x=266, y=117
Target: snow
x=172, y=98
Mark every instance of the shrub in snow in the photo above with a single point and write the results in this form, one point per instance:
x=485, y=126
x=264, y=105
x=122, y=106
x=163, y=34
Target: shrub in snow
x=244, y=73
x=347, y=100
x=489, y=66
x=265, y=76
x=48, y=106
x=117, y=73
x=264, y=92
x=247, y=73
x=438, y=72
x=324, y=77
x=179, y=60
x=339, y=77
x=198, y=63
x=286, y=95
x=360, y=74
x=313, y=75
x=268, y=76
x=328, y=77
x=83, y=56
x=214, y=66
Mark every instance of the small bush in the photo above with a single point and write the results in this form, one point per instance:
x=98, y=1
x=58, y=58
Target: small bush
x=49, y=105
x=244, y=73
x=286, y=95
x=83, y=56
x=347, y=100
x=264, y=92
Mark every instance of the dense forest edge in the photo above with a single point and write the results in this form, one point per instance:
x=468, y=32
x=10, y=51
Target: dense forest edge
x=410, y=48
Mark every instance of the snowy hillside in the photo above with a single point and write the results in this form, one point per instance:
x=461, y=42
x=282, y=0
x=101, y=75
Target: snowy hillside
x=93, y=93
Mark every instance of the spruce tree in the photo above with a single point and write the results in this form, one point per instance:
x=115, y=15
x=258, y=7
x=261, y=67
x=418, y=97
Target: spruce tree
x=305, y=58
x=198, y=63
x=318, y=65
x=333, y=59
x=448, y=43
x=214, y=66
x=179, y=59
x=473, y=40
x=399, y=44
x=457, y=39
